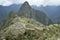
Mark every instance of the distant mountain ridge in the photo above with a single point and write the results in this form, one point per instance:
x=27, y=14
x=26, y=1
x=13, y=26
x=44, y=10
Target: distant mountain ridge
x=27, y=11
x=52, y=11
x=27, y=23
x=4, y=10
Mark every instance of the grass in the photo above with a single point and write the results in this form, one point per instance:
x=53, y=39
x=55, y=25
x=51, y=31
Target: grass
x=51, y=32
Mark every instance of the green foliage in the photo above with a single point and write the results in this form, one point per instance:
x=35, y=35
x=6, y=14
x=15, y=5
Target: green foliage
x=8, y=21
x=27, y=11
x=33, y=30
x=27, y=28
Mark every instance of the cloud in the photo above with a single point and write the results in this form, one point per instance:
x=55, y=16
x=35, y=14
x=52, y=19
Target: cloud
x=52, y=2
x=6, y=2
x=31, y=2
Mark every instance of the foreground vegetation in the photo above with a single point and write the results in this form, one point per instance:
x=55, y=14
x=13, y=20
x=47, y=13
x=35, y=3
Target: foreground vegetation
x=22, y=28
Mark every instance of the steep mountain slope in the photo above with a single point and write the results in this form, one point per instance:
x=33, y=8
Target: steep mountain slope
x=29, y=29
x=57, y=20
x=52, y=11
x=4, y=10
x=27, y=11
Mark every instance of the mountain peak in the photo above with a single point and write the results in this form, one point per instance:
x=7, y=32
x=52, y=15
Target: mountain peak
x=27, y=11
x=26, y=3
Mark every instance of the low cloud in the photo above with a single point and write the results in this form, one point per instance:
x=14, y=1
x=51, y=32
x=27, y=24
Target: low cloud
x=31, y=2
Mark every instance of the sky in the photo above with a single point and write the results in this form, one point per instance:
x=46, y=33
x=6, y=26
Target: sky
x=31, y=2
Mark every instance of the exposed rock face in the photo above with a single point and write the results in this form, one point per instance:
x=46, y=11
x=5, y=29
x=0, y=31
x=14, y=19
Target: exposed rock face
x=27, y=11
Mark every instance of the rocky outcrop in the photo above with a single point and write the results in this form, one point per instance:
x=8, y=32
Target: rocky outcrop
x=29, y=29
x=27, y=11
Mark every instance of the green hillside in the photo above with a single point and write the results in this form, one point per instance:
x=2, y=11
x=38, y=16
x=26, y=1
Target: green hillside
x=23, y=28
x=27, y=11
x=29, y=24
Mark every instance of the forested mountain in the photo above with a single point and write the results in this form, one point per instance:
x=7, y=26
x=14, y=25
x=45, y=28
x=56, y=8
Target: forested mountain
x=53, y=10
x=22, y=28
x=57, y=20
x=52, y=13
x=27, y=11
x=4, y=10
x=28, y=24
